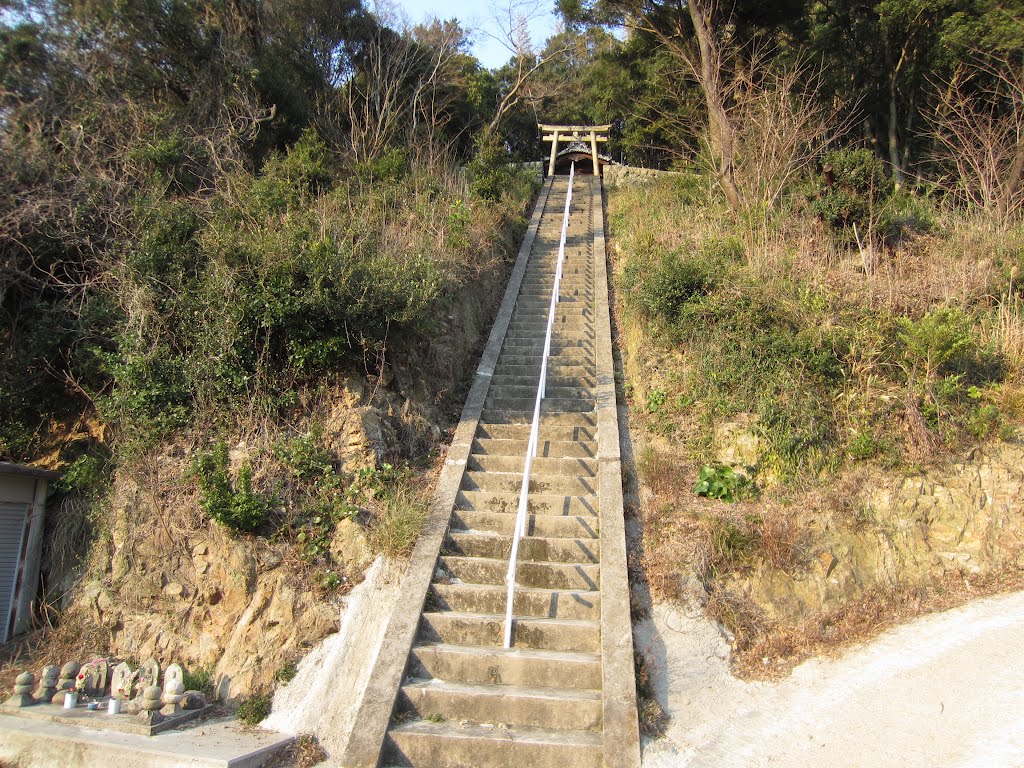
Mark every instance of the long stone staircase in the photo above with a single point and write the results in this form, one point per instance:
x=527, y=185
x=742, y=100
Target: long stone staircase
x=463, y=699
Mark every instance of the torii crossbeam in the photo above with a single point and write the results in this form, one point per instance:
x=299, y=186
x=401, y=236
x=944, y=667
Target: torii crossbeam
x=557, y=133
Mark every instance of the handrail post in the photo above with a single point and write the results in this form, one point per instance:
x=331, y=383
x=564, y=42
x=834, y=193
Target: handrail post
x=532, y=446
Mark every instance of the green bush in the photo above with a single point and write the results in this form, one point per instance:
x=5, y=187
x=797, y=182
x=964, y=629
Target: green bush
x=860, y=184
x=662, y=289
x=234, y=505
x=492, y=177
x=279, y=277
x=287, y=672
x=88, y=475
x=200, y=679
x=719, y=481
x=254, y=709
x=941, y=340
x=905, y=214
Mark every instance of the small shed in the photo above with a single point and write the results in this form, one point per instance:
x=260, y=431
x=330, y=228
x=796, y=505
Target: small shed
x=22, y=515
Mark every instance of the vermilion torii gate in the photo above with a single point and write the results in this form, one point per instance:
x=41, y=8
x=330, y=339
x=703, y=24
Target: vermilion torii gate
x=573, y=133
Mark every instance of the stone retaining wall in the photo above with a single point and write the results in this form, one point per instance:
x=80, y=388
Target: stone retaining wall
x=615, y=175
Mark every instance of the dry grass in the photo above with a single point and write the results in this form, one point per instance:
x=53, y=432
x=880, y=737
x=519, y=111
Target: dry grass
x=653, y=719
x=304, y=752
x=76, y=639
x=764, y=650
x=397, y=525
x=1005, y=331
x=663, y=474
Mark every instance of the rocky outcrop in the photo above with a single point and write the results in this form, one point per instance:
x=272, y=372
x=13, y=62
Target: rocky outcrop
x=214, y=603
x=964, y=518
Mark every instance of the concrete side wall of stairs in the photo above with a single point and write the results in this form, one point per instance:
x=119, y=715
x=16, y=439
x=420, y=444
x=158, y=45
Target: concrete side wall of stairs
x=444, y=691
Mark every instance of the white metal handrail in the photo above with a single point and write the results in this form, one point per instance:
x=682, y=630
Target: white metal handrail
x=532, y=445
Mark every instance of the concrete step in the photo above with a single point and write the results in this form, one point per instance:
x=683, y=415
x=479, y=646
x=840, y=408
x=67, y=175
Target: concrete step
x=517, y=357
x=572, y=269
x=538, y=306
x=559, y=343
x=500, y=666
x=545, y=285
x=528, y=390
x=586, y=435
x=562, y=334
x=571, y=375
x=487, y=570
x=517, y=353
x=558, y=346
x=570, y=285
x=507, y=502
x=535, y=321
x=548, y=404
x=540, y=295
x=547, y=485
x=572, y=272
x=566, y=526
x=574, y=260
x=547, y=418
x=556, y=708
x=541, y=465
x=582, y=379
x=456, y=745
x=490, y=598
x=546, y=448
x=542, y=289
x=566, y=314
x=536, y=328
x=582, y=635
x=537, y=548
x=529, y=370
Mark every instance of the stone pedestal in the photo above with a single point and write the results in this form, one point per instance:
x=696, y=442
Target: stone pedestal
x=22, y=691
x=68, y=673
x=47, y=684
x=150, y=711
x=174, y=692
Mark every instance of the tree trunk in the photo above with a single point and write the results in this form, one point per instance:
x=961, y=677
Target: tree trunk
x=893, y=128
x=720, y=129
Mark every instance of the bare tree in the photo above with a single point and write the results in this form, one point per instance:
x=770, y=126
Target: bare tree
x=513, y=21
x=979, y=127
x=782, y=127
x=401, y=93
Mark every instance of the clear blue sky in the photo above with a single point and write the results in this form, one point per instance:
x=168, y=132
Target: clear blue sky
x=478, y=17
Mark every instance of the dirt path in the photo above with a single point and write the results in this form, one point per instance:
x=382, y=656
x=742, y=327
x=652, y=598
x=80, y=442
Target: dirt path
x=946, y=690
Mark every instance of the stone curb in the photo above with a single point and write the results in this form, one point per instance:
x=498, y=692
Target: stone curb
x=374, y=713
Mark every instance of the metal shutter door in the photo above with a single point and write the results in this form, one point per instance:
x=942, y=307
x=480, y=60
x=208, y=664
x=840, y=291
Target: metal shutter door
x=12, y=528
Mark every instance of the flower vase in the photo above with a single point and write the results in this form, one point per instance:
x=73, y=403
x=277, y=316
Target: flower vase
x=70, y=700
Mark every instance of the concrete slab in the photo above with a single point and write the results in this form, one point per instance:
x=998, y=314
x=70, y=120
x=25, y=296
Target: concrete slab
x=100, y=720
x=26, y=743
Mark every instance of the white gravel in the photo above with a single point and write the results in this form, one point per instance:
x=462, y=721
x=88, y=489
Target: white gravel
x=945, y=690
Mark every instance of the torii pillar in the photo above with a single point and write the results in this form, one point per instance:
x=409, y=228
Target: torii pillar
x=557, y=133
